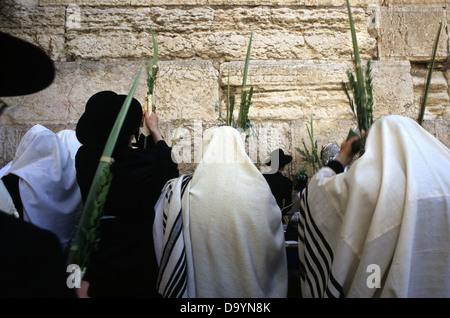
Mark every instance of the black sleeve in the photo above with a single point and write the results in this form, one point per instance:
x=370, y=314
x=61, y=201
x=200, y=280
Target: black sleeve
x=336, y=166
x=167, y=161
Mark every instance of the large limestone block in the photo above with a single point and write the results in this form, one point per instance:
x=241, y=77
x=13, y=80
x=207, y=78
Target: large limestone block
x=289, y=90
x=188, y=86
x=440, y=129
x=216, y=34
x=64, y=100
x=415, y=2
x=392, y=88
x=43, y=27
x=409, y=32
x=316, y=3
x=438, y=101
x=299, y=90
x=11, y=135
x=187, y=90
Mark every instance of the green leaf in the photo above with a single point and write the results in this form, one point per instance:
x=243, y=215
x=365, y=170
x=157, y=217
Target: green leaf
x=247, y=60
x=430, y=72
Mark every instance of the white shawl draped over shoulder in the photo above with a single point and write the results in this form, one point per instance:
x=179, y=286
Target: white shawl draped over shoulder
x=47, y=182
x=236, y=239
x=382, y=228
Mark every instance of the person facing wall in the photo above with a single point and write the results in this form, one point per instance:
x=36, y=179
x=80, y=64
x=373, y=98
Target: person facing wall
x=220, y=228
x=382, y=228
x=32, y=259
x=280, y=185
x=124, y=263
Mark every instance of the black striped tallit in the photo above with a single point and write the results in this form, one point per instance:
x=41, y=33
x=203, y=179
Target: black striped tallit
x=172, y=277
x=317, y=259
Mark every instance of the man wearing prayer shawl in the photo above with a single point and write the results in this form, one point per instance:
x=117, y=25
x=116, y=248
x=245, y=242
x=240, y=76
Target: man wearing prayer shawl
x=218, y=233
x=41, y=182
x=382, y=228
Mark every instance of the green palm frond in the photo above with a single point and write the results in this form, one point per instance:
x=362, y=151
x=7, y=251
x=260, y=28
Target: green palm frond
x=361, y=86
x=430, y=72
x=151, y=76
x=243, y=121
x=313, y=157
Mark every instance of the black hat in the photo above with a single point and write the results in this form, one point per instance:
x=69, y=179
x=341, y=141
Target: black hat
x=278, y=156
x=25, y=68
x=95, y=125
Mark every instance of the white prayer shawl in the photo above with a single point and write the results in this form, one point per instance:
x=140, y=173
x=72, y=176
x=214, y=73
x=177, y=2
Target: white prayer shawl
x=6, y=203
x=233, y=224
x=172, y=240
x=47, y=182
x=69, y=138
x=381, y=229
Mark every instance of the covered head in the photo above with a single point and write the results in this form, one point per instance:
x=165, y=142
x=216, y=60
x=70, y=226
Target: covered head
x=97, y=121
x=232, y=240
x=389, y=211
x=278, y=159
x=48, y=187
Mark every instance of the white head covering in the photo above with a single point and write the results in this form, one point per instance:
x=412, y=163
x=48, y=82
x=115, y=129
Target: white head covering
x=69, y=138
x=232, y=226
x=48, y=187
x=386, y=220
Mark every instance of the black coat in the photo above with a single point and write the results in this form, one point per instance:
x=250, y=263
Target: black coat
x=124, y=264
x=281, y=188
x=32, y=263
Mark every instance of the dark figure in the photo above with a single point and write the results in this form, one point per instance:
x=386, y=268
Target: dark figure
x=32, y=261
x=124, y=263
x=31, y=258
x=280, y=185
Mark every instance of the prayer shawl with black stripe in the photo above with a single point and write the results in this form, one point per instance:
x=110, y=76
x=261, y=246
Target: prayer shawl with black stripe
x=382, y=228
x=173, y=279
x=231, y=242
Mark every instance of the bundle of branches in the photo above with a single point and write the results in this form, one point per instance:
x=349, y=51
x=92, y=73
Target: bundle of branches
x=152, y=72
x=312, y=158
x=86, y=232
x=361, y=86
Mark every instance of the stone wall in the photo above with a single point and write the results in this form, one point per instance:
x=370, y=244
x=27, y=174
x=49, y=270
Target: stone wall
x=300, y=53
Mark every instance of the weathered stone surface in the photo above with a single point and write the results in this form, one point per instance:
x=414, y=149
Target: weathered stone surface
x=223, y=34
x=41, y=26
x=416, y=2
x=188, y=86
x=300, y=53
x=440, y=129
x=438, y=100
x=297, y=90
x=260, y=140
x=187, y=89
x=315, y=3
x=409, y=32
x=392, y=88
x=11, y=135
